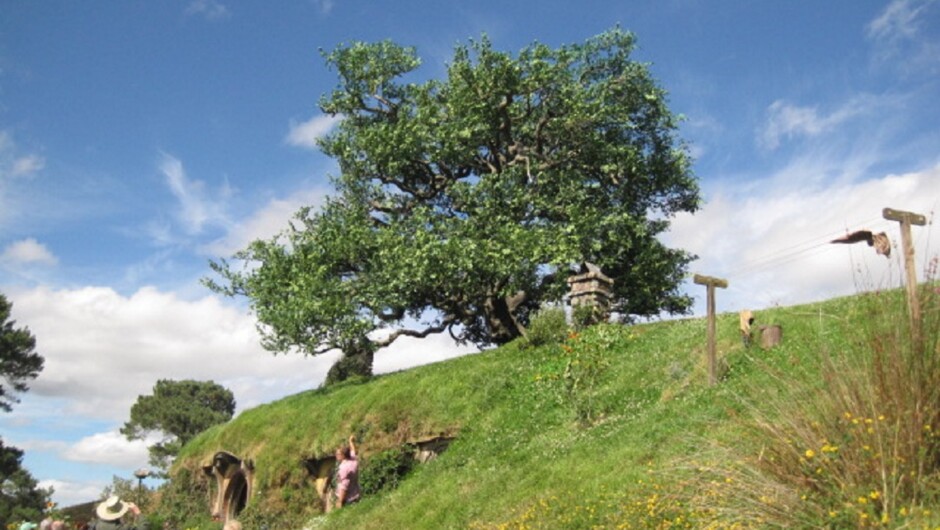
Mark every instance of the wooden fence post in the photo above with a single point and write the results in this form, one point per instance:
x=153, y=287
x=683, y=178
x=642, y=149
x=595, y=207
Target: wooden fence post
x=710, y=284
x=907, y=245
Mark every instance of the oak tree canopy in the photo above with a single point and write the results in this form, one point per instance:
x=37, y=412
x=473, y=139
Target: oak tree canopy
x=462, y=203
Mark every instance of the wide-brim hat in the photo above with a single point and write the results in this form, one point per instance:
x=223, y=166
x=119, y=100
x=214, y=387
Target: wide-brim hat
x=28, y=526
x=112, y=509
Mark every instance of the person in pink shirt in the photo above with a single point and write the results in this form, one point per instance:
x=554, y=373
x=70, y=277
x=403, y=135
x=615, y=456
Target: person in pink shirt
x=347, y=479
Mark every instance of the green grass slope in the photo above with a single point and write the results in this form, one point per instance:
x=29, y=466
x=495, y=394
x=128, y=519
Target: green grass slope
x=606, y=429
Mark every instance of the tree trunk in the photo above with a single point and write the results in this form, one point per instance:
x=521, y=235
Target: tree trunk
x=502, y=323
x=356, y=362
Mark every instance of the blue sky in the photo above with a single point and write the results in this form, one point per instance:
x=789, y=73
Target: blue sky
x=138, y=140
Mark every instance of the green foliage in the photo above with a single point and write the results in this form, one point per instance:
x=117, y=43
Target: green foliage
x=183, y=501
x=350, y=368
x=547, y=326
x=21, y=498
x=657, y=431
x=463, y=201
x=585, y=315
x=18, y=361
x=578, y=372
x=852, y=440
x=180, y=410
x=386, y=470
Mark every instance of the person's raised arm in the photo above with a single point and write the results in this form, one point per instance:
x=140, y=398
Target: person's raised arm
x=352, y=445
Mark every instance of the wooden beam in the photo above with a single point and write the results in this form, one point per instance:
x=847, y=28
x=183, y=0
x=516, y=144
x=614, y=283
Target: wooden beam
x=710, y=283
x=906, y=219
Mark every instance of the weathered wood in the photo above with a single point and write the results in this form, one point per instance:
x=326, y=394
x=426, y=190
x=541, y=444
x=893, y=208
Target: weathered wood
x=770, y=336
x=902, y=216
x=906, y=219
x=709, y=280
x=710, y=283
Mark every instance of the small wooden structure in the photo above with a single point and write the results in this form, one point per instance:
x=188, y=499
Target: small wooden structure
x=710, y=283
x=746, y=319
x=770, y=336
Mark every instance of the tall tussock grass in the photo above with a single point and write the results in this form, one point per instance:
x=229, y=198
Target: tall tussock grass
x=852, y=442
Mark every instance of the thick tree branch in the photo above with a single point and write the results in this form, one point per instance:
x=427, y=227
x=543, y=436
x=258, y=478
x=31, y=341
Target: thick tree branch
x=445, y=323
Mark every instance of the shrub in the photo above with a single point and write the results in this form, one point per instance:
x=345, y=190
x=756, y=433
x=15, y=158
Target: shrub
x=585, y=315
x=386, y=470
x=548, y=326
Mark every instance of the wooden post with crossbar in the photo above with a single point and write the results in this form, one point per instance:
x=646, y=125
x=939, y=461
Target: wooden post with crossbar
x=907, y=245
x=710, y=284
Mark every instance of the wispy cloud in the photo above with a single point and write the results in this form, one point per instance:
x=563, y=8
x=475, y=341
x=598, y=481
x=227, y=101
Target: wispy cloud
x=210, y=9
x=325, y=6
x=28, y=251
x=901, y=43
x=787, y=121
x=265, y=223
x=773, y=244
x=306, y=134
x=197, y=209
x=15, y=163
x=901, y=19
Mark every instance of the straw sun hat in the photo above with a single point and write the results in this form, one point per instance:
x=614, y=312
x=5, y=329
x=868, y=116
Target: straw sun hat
x=112, y=509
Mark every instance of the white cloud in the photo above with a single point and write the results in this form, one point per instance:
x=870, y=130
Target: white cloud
x=773, y=245
x=102, y=349
x=407, y=352
x=28, y=251
x=197, y=210
x=265, y=223
x=306, y=134
x=210, y=9
x=69, y=493
x=109, y=448
x=786, y=121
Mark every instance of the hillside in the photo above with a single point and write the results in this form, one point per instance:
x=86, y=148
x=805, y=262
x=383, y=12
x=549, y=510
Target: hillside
x=614, y=427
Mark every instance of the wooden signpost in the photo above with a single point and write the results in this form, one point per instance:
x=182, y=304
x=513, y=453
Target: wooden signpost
x=710, y=284
x=907, y=245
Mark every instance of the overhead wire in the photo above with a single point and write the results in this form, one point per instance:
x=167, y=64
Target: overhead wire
x=796, y=251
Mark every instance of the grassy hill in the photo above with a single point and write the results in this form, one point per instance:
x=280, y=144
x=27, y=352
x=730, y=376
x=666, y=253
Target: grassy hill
x=617, y=427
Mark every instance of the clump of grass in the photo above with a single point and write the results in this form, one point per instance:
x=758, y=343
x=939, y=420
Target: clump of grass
x=547, y=326
x=854, y=444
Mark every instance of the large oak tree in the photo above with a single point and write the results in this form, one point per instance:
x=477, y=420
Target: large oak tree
x=462, y=203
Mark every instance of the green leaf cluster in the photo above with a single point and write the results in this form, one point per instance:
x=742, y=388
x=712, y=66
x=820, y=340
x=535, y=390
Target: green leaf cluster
x=19, y=362
x=21, y=498
x=180, y=410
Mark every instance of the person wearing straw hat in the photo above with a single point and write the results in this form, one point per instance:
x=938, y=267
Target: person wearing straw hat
x=111, y=513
